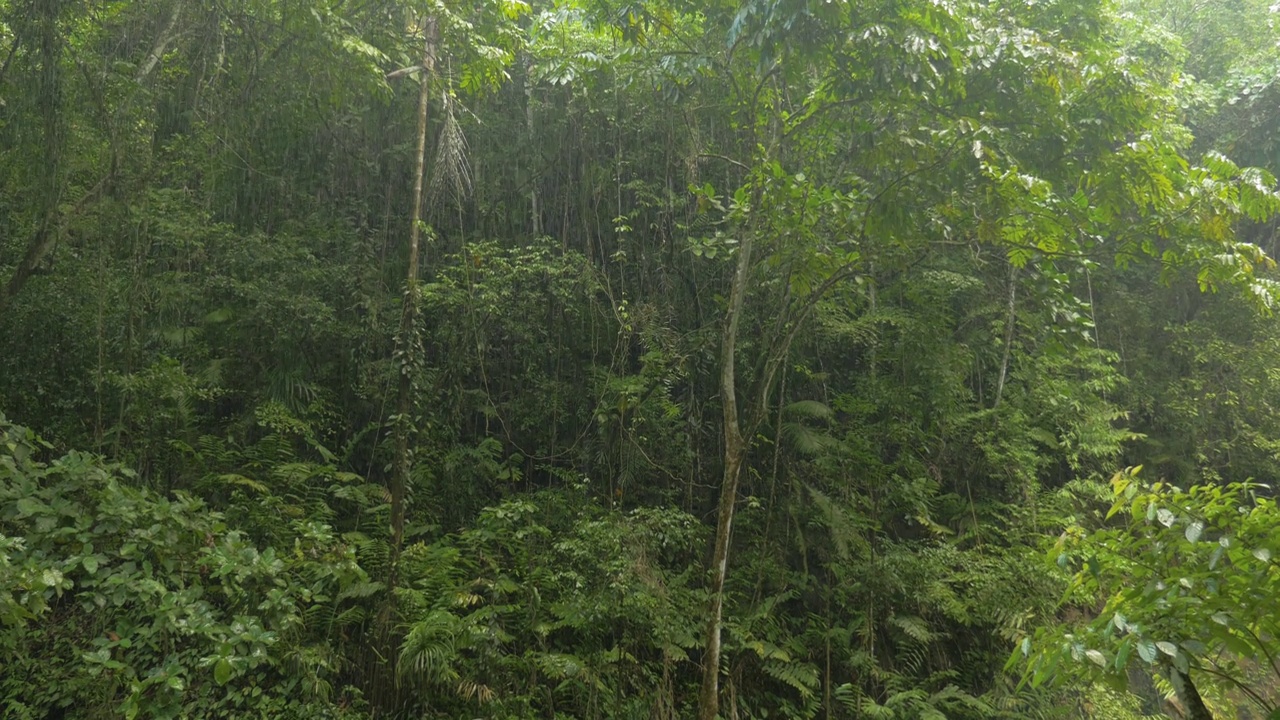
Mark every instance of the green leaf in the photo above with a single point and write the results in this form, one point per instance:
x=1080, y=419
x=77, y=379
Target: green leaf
x=1239, y=645
x=1122, y=655
x=29, y=506
x=1167, y=648
x=1147, y=650
x=222, y=671
x=90, y=564
x=1194, y=530
x=1096, y=657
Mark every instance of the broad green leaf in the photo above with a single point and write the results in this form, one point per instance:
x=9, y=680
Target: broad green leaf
x=222, y=671
x=1147, y=650
x=1194, y=530
x=1122, y=655
x=29, y=506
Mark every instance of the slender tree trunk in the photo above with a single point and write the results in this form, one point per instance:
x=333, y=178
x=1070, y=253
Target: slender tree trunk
x=875, y=308
x=535, y=209
x=1193, y=706
x=162, y=43
x=735, y=451
x=406, y=340
x=1010, y=319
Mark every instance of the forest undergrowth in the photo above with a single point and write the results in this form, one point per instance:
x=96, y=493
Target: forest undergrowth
x=639, y=359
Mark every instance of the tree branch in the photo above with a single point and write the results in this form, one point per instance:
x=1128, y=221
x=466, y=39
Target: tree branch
x=162, y=42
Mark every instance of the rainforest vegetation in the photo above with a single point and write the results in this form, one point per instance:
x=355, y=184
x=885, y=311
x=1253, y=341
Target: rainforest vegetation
x=639, y=359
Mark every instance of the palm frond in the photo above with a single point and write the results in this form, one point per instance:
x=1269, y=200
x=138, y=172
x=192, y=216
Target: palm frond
x=451, y=171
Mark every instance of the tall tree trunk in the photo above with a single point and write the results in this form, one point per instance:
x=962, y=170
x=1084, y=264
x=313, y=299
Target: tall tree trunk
x=48, y=41
x=535, y=209
x=407, y=339
x=735, y=451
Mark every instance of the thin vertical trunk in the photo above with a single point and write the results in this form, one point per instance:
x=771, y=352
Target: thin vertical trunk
x=407, y=338
x=735, y=450
x=1009, y=321
x=827, y=704
x=875, y=307
x=535, y=211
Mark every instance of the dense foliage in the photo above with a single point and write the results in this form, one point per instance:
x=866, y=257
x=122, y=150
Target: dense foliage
x=612, y=359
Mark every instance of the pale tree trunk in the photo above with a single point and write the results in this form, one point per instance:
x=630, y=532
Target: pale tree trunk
x=735, y=451
x=1010, y=319
x=406, y=340
x=162, y=44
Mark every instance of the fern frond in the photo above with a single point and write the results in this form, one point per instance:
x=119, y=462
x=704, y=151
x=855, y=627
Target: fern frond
x=806, y=440
x=915, y=628
x=242, y=481
x=361, y=590
x=809, y=409
x=801, y=676
x=846, y=535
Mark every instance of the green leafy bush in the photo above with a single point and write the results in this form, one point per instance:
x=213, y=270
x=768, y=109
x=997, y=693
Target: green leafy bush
x=117, y=601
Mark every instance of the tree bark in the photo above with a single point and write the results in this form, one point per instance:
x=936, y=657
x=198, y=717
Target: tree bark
x=735, y=450
x=162, y=43
x=1192, y=704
